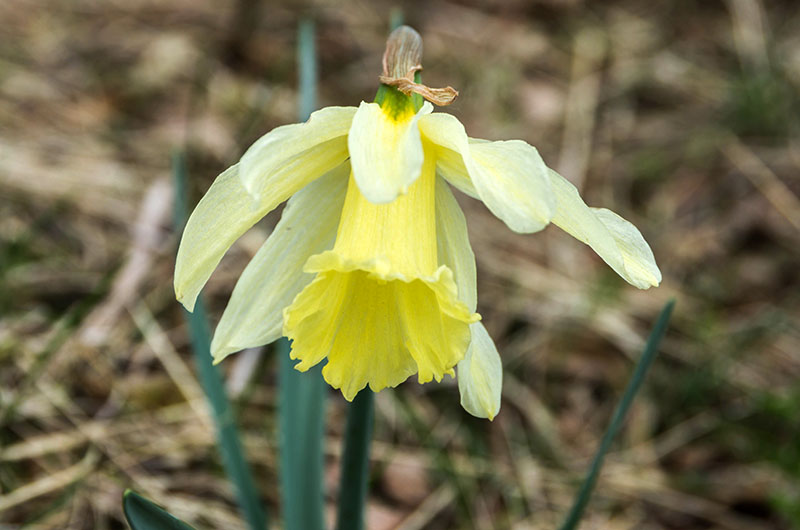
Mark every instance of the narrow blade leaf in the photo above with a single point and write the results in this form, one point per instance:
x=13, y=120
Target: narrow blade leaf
x=302, y=395
x=143, y=514
x=228, y=442
x=650, y=350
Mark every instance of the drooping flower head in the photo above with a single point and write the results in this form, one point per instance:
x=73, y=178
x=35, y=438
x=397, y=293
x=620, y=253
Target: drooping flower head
x=370, y=269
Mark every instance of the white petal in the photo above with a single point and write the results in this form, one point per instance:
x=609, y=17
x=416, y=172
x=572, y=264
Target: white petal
x=480, y=375
x=309, y=148
x=254, y=315
x=509, y=177
x=386, y=153
x=453, y=244
x=613, y=238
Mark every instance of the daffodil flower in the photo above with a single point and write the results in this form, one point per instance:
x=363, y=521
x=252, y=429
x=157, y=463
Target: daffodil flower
x=370, y=266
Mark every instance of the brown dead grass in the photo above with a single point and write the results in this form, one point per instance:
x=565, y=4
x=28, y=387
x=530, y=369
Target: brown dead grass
x=681, y=116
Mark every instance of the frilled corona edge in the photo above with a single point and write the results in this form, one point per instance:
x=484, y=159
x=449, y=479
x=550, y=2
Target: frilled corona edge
x=377, y=327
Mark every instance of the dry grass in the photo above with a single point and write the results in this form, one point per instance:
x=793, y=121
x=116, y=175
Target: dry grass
x=681, y=116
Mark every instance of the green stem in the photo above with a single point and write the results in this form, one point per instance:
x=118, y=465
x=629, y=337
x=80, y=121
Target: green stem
x=355, y=462
x=650, y=350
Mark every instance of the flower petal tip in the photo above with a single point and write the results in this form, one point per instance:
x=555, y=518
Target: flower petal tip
x=187, y=303
x=221, y=347
x=480, y=376
x=220, y=351
x=654, y=281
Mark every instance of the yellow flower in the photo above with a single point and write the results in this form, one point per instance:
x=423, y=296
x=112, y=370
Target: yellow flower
x=370, y=266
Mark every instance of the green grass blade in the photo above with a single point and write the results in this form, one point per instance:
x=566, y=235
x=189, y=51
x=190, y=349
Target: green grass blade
x=355, y=462
x=302, y=395
x=302, y=429
x=143, y=514
x=228, y=442
x=395, y=18
x=650, y=350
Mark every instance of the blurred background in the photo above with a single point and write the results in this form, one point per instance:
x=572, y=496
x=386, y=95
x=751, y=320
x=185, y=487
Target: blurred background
x=681, y=116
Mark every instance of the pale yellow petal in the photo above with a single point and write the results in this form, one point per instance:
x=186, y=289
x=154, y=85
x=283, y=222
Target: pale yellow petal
x=451, y=141
x=291, y=152
x=509, y=177
x=452, y=240
x=450, y=166
x=637, y=257
x=278, y=165
x=480, y=375
x=385, y=150
x=254, y=314
x=613, y=238
x=225, y=213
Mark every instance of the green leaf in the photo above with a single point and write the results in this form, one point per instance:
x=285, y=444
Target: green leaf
x=145, y=515
x=307, y=68
x=302, y=395
x=228, y=442
x=301, y=434
x=650, y=350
